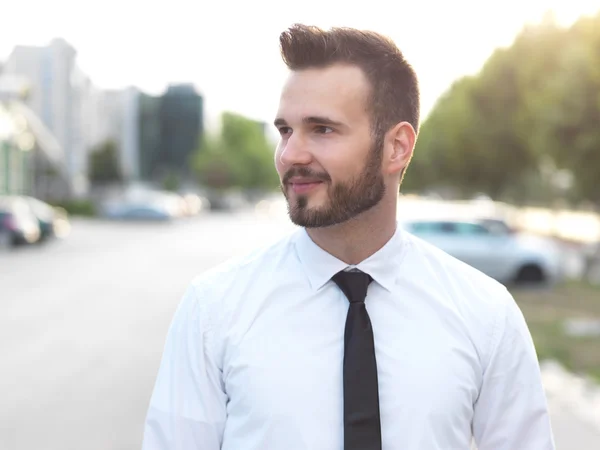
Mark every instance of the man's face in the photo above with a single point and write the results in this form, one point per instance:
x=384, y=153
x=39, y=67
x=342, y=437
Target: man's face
x=328, y=164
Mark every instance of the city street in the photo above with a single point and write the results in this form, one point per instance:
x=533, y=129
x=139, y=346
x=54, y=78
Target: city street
x=82, y=324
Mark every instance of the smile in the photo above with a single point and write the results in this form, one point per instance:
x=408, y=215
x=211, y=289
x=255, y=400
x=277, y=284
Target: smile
x=302, y=188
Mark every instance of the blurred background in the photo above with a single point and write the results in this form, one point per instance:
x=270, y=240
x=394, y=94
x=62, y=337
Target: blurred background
x=136, y=151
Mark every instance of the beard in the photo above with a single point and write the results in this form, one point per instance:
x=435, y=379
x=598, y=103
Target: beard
x=346, y=199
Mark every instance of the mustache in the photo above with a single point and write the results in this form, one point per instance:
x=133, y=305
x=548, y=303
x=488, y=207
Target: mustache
x=305, y=172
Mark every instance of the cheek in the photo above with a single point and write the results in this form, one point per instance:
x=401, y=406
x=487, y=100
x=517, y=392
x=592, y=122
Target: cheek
x=277, y=160
x=345, y=159
x=344, y=169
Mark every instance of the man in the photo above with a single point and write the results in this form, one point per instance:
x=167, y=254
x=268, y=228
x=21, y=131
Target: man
x=350, y=333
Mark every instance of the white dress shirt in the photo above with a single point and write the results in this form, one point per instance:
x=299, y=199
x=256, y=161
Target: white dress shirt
x=253, y=358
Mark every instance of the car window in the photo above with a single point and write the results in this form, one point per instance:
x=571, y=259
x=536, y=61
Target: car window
x=496, y=226
x=449, y=228
x=465, y=228
x=426, y=227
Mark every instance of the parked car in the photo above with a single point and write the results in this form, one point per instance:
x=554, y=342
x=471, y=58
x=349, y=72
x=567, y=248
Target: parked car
x=143, y=211
x=46, y=215
x=18, y=225
x=494, y=248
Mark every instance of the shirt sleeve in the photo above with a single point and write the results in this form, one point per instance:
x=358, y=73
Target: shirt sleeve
x=511, y=411
x=187, y=409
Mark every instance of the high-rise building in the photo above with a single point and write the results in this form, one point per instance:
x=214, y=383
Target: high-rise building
x=15, y=171
x=31, y=160
x=65, y=100
x=181, y=119
x=170, y=127
x=149, y=132
x=127, y=103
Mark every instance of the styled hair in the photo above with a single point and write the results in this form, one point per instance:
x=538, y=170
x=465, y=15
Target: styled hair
x=394, y=95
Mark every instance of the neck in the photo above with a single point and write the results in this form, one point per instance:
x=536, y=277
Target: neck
x=356, y=239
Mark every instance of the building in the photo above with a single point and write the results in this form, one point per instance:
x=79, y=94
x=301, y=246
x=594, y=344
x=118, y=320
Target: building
x=150, y=141
x=31, y=160
x=65, y=100
x=169, y=129
x=16, y=176
x=155, y=135
x=181, y=120
x=127, y=112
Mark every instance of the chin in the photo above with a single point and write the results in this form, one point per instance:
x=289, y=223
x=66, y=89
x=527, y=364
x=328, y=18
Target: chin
x=310, y=217
x=308, y=202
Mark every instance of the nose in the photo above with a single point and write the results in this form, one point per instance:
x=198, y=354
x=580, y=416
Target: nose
x=294, y=152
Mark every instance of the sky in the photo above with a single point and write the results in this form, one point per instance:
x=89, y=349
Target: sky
x=229, y=49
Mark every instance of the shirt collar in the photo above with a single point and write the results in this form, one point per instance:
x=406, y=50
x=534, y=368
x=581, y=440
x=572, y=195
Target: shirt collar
x=320, y=266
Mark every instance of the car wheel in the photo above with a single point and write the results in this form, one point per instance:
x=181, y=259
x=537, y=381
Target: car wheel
x=530, y=274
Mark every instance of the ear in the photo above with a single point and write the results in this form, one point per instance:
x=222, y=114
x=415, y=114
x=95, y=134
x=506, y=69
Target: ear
x=400, y=146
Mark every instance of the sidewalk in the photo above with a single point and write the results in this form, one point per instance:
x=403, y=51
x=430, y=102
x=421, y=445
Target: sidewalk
x=574, y=404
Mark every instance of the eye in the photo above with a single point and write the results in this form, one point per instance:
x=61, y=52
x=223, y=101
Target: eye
x=284, y=130
x=321, y=129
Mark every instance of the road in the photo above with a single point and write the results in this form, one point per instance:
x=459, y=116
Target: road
x=83, y=321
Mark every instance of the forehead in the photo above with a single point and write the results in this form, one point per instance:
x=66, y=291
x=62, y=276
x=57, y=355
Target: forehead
x=339, y=91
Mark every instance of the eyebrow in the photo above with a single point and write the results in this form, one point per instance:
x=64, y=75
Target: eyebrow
x=312, y=120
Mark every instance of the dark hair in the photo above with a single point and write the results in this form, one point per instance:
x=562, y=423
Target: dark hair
x=394, y=93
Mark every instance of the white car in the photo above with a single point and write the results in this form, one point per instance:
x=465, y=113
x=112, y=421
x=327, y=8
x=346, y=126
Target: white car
x=493, y=248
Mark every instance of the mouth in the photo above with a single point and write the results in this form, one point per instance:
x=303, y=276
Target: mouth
x=302, y=187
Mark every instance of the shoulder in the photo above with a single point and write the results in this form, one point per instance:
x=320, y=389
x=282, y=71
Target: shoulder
x=484, y=305
x=453, y=274
x=211, y=297
x=211, y=287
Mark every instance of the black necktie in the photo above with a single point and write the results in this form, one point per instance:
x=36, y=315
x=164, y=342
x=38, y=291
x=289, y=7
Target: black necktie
x=362, y=428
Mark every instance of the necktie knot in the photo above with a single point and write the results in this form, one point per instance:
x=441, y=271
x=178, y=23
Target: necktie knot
x=354, y=284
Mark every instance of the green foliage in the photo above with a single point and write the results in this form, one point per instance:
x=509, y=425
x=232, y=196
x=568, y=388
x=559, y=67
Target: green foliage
x=171, y=181
x=104, y=164
x=533, y=106
x=81, y=207
x=239, y=157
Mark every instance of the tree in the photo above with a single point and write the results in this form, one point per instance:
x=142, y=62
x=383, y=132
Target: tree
x=572, y=131
x=523, y=124
x=436, y=164
x=213, y=165
x=470, y=142
x=240, y=156
x=171, y=181
x=104, y=164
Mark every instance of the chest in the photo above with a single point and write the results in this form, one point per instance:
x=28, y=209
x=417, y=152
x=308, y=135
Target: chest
x=286, y=368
